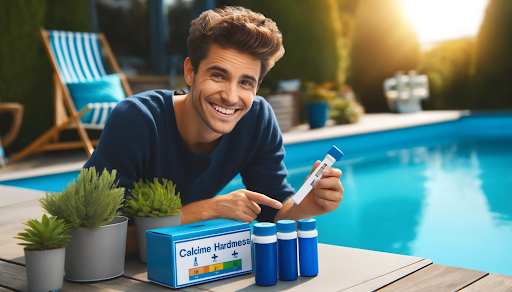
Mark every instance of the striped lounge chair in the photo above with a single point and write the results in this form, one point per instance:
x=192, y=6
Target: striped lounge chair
x=84, y=93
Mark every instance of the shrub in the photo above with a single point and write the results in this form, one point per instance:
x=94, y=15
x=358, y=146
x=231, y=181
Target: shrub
x=153, y=199
x=318, y=93
x=448, y=66
x=50, y=233
x=91, y=202
x=493, y=59
x=345, y=111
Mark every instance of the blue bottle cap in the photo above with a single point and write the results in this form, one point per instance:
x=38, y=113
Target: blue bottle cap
x=307, y=224
x=286, y=226
x=264, y=229
x=335, y=153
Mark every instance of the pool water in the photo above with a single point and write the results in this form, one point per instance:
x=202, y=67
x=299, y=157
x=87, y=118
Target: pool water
x=442, y=192
x=450, y=202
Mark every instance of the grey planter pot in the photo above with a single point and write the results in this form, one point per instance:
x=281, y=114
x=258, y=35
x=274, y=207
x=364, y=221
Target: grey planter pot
x=143, y=224
x=45, y=269
x=97, y=254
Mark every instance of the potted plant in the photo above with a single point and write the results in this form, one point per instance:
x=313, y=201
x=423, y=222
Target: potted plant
x=316, y=98
x=91, y=207
x=44, y=253
x=345, y=111
x=153, y=205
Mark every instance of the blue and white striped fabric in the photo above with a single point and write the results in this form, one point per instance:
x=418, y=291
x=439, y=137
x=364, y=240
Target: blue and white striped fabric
x=78, y=54
x=80, y=61
x=2, y=154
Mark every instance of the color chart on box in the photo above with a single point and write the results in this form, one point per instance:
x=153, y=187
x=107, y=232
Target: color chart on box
x=214, y=270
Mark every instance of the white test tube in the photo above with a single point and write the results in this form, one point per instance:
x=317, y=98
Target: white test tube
x=332, y=156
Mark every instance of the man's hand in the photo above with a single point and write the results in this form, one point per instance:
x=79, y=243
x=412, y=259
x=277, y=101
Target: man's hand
x=241, y=205
x=325, y=197
x=326, y=194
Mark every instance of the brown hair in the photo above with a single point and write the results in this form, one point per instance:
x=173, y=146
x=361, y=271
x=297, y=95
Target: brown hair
x=237, y=28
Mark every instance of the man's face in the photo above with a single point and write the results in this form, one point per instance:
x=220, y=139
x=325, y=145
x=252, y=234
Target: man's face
x=223, y=88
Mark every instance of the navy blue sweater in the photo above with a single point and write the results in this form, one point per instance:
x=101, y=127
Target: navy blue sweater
x=141, y=140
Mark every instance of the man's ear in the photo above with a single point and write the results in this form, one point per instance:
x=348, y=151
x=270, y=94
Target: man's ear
x=189, y=71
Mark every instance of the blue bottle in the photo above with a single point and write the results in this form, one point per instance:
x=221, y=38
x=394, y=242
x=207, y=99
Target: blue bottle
x=308, y=247
x=287, y=250
x=265, y=253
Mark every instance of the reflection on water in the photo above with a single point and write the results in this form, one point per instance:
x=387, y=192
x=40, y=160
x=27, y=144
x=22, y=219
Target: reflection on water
x=466, y=218
x=451, y=203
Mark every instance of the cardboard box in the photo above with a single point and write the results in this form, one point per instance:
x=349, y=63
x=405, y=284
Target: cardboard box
x=190, y=254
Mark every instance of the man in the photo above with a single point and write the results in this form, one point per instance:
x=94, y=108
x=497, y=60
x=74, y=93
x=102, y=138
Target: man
x=201, y=140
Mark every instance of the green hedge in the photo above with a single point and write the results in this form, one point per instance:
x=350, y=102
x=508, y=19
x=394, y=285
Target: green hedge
x=474, y=73
x=449, y=68
x=384, y=42
x=25, y=71
x=493, y=64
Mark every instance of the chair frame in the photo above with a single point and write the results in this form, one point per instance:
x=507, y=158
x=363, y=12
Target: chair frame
x=66, y=114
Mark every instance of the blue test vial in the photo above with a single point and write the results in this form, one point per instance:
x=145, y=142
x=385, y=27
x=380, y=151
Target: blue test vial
x=287, y=250
x=308, y=247
x=265, y=253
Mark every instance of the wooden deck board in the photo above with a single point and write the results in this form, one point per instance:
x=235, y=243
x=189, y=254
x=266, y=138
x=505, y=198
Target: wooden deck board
x=437, y=278
x=493, y=282
x=11, y=223
x=384, y=280
x=15, y=276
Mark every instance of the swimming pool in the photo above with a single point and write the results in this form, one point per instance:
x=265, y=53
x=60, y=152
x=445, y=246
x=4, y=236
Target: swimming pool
x=442, y=191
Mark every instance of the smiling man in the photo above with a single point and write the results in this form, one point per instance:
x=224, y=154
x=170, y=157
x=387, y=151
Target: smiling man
x=203, y=139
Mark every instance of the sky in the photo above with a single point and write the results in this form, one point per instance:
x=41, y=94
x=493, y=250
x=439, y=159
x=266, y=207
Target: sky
x=439, y=20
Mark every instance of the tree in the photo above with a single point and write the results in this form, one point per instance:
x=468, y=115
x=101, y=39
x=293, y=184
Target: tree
x=493, y=72
x=384, y=42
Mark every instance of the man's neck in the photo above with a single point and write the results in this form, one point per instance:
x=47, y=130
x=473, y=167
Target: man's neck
x=198, y=137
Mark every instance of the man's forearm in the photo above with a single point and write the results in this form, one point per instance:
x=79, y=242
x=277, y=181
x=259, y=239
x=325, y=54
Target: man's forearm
x=195, y=212
x=291, y=211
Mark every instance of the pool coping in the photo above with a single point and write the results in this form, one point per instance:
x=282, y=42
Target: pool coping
x=369, y=123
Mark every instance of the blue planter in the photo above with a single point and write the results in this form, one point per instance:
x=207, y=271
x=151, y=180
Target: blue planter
x=317, y=113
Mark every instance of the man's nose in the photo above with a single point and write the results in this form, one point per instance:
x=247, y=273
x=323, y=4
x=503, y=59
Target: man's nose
x=230, y=94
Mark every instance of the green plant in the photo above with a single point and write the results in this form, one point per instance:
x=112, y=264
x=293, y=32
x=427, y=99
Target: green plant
x=50, y=233
x=318, y=93
x=153, y=199
x=91, y=202
x=345, y=111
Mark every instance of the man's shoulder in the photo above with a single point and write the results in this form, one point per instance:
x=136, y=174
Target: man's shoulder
x=260, y=116
x=150, y=98
x=261, y=108
x=152, y=102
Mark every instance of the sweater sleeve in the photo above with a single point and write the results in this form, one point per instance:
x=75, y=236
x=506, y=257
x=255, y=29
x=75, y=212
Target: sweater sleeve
x=266, y=172
x=124, y=143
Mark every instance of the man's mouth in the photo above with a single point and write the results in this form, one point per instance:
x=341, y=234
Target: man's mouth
x=223, y=110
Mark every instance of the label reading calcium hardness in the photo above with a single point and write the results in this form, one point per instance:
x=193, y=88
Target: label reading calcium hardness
x=212, y=257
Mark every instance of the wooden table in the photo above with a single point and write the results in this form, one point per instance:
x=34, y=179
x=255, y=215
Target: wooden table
x=341, y=268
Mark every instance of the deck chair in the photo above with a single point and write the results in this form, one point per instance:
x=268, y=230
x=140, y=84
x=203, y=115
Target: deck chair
x=16, y=111
x=75, y=57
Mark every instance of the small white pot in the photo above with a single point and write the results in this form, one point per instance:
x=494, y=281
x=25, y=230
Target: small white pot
x=143, y=224
x=45, y=269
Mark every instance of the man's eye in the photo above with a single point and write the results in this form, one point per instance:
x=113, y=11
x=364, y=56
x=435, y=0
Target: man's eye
x=247, y=83
x=216, y=76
